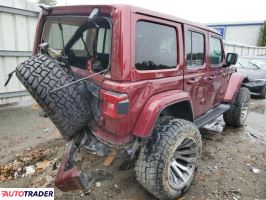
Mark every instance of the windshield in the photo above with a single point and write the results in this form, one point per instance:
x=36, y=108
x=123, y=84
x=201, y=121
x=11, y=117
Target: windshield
x=81, y=40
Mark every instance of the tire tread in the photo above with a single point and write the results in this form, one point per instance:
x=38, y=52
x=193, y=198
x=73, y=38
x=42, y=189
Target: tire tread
x=67, y=108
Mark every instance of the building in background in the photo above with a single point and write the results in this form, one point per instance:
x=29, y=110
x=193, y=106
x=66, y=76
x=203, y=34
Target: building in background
x=244, y=33
x=18, y=19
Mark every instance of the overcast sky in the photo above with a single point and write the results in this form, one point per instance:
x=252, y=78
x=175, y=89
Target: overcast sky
x=204, y=11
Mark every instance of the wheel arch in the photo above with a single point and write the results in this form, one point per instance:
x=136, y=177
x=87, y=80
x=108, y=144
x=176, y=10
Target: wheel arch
x=172, y=103
x=234, y=84
x=180, y=109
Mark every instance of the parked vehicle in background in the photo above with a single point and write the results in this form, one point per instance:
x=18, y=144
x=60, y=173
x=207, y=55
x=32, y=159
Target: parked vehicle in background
x=254, y=68
x=125, y=78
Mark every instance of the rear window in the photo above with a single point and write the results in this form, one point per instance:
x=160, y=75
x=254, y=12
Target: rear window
x=83, y=41
x=104, y=41
x=156, y=46
x=54, y=38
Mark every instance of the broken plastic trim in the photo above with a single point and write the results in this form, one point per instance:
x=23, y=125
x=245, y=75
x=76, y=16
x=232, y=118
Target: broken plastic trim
x=69, y=177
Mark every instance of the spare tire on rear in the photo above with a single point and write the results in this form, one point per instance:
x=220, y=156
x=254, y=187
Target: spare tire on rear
x=68, y=108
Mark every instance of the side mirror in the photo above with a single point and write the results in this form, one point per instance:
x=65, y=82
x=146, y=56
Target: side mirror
x=231, y=59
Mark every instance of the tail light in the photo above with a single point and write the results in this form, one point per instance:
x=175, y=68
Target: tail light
x=114, y=104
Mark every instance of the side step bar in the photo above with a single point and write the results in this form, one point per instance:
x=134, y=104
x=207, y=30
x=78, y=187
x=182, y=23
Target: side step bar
x=211, y=115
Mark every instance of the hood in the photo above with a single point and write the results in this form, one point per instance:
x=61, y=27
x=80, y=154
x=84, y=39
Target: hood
x=253, y=74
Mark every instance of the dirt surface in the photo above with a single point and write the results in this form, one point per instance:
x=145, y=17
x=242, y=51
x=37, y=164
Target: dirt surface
x=21, y=128
x=227, y=171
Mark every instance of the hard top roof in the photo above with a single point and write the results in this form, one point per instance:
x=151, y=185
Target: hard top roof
x=139, y=10
x=170, y=18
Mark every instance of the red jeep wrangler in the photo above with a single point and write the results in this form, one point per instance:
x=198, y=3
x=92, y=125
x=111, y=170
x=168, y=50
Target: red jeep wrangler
x=125, y=78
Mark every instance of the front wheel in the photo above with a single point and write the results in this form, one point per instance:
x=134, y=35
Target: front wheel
x=237, y=114
x=168, y=161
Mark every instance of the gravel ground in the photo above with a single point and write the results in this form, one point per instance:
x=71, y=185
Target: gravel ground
x=224, y=173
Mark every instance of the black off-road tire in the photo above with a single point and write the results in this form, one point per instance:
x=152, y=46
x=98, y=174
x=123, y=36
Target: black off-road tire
x=155, y=156
x=234, y=116
x=67, y=108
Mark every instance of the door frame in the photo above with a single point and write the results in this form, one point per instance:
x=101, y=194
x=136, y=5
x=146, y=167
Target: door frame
x=200, y=73
x=218, y=73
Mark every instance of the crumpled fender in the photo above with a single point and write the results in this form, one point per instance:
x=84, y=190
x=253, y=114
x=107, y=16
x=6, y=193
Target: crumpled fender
x=153, y=108
x=234, y=84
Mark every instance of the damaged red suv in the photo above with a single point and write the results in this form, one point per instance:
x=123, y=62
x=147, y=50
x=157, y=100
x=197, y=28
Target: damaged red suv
x=132, y=80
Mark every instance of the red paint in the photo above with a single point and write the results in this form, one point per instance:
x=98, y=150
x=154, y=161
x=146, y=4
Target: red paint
x=233, y=86
x=217, y=81
x=150, y=91
x=153, y=107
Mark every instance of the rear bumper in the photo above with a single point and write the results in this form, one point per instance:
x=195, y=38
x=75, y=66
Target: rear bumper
x=69, y=177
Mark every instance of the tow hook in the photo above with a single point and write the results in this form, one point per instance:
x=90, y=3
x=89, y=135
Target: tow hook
x=70, y=176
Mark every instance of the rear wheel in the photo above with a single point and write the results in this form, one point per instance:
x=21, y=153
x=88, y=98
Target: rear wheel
x=167, y=163
x=237, y=114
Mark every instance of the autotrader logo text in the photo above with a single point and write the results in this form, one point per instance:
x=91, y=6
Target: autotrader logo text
x=27, y=193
